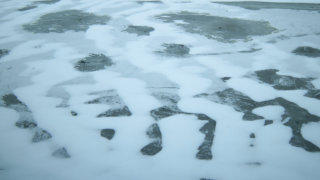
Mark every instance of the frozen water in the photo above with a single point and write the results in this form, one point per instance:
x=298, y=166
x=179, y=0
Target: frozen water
x=170, y=89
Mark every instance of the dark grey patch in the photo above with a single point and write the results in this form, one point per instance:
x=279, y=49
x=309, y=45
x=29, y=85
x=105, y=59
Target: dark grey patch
x=63, y=21
x=307, y=51
x=252, y=50
x=237, y=100
x=254, y=163
x=220, y=28
x=206, y=179
x=61, y=153
x=255, y=5
x=283, y=82
x=151, y=149
x=124, y=111
x=41, y=135
x=139, y=30
x=154, y=133
x=252, y=136
x=251, y=145
x=4, y=52
x=93, y=62
x=26, y=119
x=47, y=2
x=27, y=8
x=204, y=152
x=11, y=99
x=313, y=93
x=225, y=79
x=73, y=113
x=107, y=133
x=169, y=99
x=177, y=50
x=26, y=124
x=163, y=112
x=151, y=1
x=267, y=122
x=293, y=117
x=111, y=98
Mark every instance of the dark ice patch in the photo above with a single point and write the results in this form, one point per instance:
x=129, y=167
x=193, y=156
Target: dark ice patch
x=239, y=101
x=154, y=133
x=225, y=79
x=11, y=99
x=47, y=2
x=73, y=113
x=26, y=119
x=307, y=51
x=152, y=148
x=139, y=30
x=27, y=8
x=177, y=50
x=313, y=93
x=41, y=135
x=93, y=62
x=164, y=112
x=4, y=52
x=204, y=150
x=267, y=122
x=63, y=21
x=24, y=124
x=111, y=98
x=61, y=153
x=151, y=1
x=293, y=117
x=124, y=111
x=283, y=82
x=107, y=133
x=252, y=136
x=220, y=28
x=255, y=5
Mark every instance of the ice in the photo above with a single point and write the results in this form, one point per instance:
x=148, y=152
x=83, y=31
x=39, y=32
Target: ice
x=170, y=89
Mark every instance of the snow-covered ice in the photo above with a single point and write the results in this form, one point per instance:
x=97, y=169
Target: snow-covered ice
x=161, y=90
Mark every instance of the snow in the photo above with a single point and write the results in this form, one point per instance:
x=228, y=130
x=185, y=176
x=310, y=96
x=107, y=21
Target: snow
x=39, y=70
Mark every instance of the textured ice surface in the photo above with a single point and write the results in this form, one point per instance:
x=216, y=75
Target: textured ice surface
x=217, y=27
x=93, y=62
x=62, y=21
x=139, y=30
x=307, y=51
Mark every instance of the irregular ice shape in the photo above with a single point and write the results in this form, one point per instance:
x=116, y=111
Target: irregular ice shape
x=221, y=28
x=93, y=62
x=139, y=30
x=307, y=51
x=63, y=21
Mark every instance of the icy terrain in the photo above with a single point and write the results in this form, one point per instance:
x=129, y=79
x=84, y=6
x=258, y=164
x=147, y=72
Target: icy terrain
x=159, y=90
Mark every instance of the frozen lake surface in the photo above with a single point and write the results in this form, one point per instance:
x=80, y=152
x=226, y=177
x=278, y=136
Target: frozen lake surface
x=159, y=90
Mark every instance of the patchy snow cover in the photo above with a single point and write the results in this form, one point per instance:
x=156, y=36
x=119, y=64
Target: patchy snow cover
x=171, y=89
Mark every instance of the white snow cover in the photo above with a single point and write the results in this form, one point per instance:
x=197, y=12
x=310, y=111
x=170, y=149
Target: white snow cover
x=40, y=62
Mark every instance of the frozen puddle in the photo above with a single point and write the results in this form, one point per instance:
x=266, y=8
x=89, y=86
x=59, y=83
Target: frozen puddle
x=192, y=90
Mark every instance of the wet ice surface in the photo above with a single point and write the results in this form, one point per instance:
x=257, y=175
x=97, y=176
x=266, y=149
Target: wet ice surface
x=159, y=90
